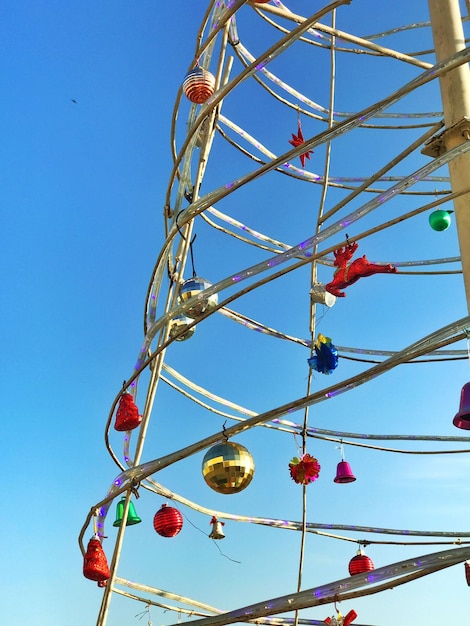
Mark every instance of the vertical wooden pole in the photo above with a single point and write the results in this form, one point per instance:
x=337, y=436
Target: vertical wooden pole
x=449, y=39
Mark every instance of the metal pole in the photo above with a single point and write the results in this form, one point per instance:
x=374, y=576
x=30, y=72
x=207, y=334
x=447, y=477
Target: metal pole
x=449, y=39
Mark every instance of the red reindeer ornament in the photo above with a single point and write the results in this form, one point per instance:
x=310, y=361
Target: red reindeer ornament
x=346, y=274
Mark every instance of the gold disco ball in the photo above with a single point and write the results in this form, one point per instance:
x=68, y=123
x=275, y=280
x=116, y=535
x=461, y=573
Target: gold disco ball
x=194, y=287
x=228, y=467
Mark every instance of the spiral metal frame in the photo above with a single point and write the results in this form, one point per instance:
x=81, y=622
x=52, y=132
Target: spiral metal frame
x=220, y=46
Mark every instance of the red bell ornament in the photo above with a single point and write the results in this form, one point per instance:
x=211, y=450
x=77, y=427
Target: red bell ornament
x=467, y=572
x=199, y=85
x=360, y=563
x=344, y=473
x=127, y=415
x=95, y=565
x=462, y=419
x=168, y=521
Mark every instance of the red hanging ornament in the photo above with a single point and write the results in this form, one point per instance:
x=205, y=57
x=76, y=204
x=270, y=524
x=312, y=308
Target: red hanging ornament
x=199, y=85
x=95, y=565
x=467, y=572
x=304, y=470
x=360, y=564
x=346, y=274
x=298, y=140
x=168, y=521
x=339, y=620
x=127, y=415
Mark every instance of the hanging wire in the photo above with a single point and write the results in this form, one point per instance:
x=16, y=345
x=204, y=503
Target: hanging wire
x=467, y=335
x=146, y=612
x=191, y=253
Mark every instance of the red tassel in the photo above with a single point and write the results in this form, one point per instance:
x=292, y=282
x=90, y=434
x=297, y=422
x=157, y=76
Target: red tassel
x=95, y=565
x=127, y=415
x=467, y=572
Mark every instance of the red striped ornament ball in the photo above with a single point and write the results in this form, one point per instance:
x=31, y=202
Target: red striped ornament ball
x=168, y=521
x=199, y=85
x=360, y=564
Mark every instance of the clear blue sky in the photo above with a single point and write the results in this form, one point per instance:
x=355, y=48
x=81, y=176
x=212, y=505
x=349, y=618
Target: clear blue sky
x=82, y=193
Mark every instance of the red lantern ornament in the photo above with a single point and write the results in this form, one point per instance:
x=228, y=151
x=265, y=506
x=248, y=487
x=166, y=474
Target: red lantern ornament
x=199, y=85
x=360, y=563
x=127, y=415
x=346, y=275
x=305, y=470
x=95, y=565
x=168, y=521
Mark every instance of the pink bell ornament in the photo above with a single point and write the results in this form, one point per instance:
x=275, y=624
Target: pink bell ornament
x=467, y=572
x=462, y=419
x=344, y=473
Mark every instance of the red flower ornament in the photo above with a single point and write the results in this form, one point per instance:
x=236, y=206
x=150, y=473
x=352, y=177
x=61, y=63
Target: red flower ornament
x=305, y=470
x=298, y=140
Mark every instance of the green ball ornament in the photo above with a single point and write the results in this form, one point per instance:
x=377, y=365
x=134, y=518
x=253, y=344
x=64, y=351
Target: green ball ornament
x=440, y=220
x=228, y=467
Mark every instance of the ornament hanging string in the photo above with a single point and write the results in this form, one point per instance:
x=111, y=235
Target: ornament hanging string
x=298, y=446
x=467, y=335
x=341, y=449
x=146, y=612
x=214, y=542
x=190, y=243
x=224, y=433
